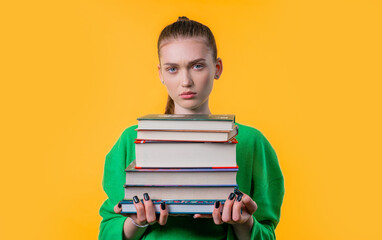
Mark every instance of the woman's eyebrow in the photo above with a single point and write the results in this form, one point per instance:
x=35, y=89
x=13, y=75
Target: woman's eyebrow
x=190, y=63
x=196, y=60
x=171, y=64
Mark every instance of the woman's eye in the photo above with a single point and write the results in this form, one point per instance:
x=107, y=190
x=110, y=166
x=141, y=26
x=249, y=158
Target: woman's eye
x=198, y=66
x=171, y=69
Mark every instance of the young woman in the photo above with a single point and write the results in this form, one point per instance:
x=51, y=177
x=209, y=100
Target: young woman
x=188, y=67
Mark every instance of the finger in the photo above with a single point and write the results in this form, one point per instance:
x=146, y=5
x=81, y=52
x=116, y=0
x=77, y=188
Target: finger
x=249, y=204
x=236, y=209
x=216, y=215
x=149, y=209
x=118, y=208
x=163, y=214
x=227, y=209
x=141, y=216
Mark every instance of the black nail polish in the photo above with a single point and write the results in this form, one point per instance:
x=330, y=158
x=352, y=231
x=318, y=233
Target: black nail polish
x=231, y=196
x=119, y=205
x=136, y=200
x=146, y=196
x=217, y=204
x=237, y=191
x=163, y=205
x=239, y=198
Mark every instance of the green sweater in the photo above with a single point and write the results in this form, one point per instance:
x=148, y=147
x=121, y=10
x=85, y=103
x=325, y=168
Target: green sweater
x=259, y=176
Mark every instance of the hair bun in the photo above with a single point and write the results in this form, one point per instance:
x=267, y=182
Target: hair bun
x=183, y=18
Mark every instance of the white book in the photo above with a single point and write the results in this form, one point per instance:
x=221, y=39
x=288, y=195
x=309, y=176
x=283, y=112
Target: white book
x=180, y=176
x=157, y=154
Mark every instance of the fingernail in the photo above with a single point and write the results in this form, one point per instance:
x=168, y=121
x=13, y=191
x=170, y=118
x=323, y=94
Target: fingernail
x=239, y=198
x=237, y=191
x=163, y=205
x=217, y=204
x=119, y=205
x=136, y=200
x=146, y=196
x=231, y=196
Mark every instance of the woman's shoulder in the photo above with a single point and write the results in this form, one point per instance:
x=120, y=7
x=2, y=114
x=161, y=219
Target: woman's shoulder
x=250, y=136
x=129, y=132
x=246, y=131
x=128, y=135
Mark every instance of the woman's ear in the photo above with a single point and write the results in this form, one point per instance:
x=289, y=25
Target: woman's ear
x=160, y=74
x=218, y=68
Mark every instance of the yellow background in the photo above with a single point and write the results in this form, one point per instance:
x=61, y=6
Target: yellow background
x=75, y=74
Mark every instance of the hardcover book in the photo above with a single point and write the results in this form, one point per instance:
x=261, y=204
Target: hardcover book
x=187, y=135
x=187, y=121
x=163, y=154
x=176, y=206
x=180, y=176
x=181, y=192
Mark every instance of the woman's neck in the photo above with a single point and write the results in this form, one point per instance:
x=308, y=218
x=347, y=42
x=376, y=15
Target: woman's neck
x=203, y=109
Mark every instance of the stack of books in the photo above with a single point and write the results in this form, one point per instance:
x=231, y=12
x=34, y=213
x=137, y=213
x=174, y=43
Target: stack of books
x=187, y=161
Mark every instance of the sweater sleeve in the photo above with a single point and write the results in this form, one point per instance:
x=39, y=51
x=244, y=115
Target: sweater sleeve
x=111, y=226
x=266, y=188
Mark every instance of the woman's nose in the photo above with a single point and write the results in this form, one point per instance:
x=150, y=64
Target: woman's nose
x=186, y=80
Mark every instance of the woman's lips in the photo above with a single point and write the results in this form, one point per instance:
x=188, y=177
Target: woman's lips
x=187, y=95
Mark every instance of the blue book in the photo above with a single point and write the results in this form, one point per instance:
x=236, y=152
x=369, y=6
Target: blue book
x=176, y=206
x=164, y=192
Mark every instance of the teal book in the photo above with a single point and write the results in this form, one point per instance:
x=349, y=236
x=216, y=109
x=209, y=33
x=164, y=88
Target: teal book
x=176, y=206
x=207, y=192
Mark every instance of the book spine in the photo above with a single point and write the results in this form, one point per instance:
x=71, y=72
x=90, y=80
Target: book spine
x=142, y=141
x=173, y=186
x=207, y=169
x=174, y=201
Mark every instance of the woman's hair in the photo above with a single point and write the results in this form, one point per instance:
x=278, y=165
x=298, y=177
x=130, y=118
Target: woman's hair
x=185, y=28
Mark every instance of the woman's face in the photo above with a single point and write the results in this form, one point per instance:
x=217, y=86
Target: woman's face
x=187, y=69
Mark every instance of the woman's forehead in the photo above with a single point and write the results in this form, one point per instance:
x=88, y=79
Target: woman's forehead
x=186, y=49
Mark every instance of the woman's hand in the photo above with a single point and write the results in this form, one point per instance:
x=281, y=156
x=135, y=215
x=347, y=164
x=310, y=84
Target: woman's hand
x=237, y=210
x=134, y=228
x=145, y=211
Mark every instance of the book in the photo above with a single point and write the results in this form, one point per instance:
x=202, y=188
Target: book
x=180, y=176
x=187, y=122
x=163, y=154
x=176, y=206
x=179, y=192
x=187, y=135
